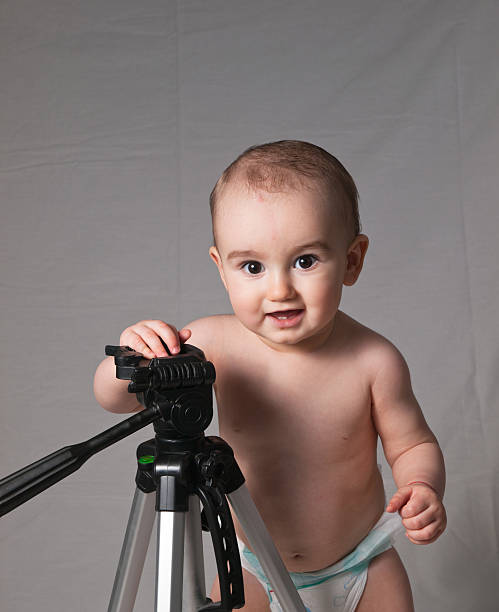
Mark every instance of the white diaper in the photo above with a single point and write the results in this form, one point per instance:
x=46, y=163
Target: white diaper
x=338, y=587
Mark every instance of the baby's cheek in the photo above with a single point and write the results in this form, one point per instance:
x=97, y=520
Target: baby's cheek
x=325, y=297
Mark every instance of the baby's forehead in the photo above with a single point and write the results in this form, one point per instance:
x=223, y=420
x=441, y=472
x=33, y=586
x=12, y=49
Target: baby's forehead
x=239, y=196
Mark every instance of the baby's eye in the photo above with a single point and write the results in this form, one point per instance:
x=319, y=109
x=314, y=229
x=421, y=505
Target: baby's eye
x=252, y=267
x=305, y=261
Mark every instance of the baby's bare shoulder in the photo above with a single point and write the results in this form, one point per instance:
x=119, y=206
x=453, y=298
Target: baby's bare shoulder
x=372, y=351
x=212, y=333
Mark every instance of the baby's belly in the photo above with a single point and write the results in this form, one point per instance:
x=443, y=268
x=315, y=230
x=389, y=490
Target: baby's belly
x=316, y=518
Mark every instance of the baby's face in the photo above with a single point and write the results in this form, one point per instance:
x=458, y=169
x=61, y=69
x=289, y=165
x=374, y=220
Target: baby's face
x=282, y=258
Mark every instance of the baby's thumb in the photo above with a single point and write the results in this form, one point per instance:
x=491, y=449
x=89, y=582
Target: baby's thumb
x=184, y=334
x=401, y=497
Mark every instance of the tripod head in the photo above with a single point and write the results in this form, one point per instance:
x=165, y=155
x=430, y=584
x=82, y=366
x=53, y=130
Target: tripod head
x=180, y=386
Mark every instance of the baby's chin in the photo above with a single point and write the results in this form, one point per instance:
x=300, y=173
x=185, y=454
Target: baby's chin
x=301, y=343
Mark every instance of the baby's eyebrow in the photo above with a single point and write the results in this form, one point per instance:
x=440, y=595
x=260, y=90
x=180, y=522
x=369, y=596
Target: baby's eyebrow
x=316, y=245
x=241, y=254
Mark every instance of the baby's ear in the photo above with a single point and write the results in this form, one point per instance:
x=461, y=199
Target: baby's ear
x=215, y=255
x=355, y=259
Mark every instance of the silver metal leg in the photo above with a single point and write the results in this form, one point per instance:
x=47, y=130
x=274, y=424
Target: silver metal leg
x=264, y=548
x=179, y=530
x=170, y=561
x=194, y=592
x=133, y=553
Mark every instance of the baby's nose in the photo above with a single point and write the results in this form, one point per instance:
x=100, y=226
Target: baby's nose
x=280, y=287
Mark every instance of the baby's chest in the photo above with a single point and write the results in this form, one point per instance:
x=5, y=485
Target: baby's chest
x=308, y=405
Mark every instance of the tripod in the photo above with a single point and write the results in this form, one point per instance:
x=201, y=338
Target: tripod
x=176, y=469
x=180, y=471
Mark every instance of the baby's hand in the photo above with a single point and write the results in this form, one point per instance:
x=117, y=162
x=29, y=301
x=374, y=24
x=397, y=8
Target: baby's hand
x=423, y=514
x=145, y=337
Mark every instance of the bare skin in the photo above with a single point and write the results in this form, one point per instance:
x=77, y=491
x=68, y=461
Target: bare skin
x=303, y=392
x=387, y=588
x=320, y=452
x=297, y=442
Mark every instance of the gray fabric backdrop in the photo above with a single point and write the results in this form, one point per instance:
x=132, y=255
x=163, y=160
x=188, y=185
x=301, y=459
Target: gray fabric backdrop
x=117, y=118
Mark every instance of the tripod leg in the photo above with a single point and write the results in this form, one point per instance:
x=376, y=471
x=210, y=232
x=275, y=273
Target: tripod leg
x=170, y=561
x=265, y=550
x=194, y=595
x=133, y=553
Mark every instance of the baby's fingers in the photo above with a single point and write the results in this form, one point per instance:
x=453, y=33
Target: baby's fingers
x=169, y=335
x=415, y=507
x=172, y=338
x=428, y=526
x=143, y=340
x=147, y=337
x=420, y=521
x=427, y=535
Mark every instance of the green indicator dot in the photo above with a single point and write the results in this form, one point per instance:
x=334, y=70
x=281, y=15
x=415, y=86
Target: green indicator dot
x=146, y=459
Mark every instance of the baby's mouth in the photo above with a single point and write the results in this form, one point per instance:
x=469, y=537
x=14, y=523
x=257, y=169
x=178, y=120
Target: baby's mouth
x=283, y=315
x=285, y=319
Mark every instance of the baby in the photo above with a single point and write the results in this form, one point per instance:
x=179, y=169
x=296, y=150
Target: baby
x=303, y=390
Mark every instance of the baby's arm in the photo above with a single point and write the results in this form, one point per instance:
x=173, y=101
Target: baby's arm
x=411, y=449
x=144, y=337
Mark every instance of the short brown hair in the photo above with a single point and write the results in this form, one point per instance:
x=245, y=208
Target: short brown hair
x=275, y=166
